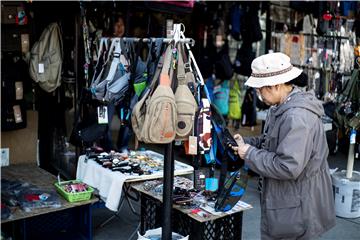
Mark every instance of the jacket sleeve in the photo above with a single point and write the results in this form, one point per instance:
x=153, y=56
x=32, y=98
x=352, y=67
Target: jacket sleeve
x=292, y=153
x=254, y=141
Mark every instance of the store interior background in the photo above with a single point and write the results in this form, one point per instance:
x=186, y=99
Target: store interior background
x=50, y=116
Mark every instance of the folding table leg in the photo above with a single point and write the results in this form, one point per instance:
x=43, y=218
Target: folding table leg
x=113, y=215
x=126, y=196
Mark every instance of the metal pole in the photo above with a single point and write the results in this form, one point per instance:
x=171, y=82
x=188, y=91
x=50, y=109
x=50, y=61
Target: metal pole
x=168, y=191
x=350, y=162
x=165, y=40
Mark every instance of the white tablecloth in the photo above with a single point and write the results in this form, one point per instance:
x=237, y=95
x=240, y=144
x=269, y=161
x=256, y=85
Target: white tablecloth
x=110, y=183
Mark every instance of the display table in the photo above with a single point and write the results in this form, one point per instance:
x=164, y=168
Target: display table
x=110, y=184
x=69, y=221
x=221, y=226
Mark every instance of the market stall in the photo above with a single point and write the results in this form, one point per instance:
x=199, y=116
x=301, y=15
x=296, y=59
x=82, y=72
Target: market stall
x=115, y=78
x=42, y=218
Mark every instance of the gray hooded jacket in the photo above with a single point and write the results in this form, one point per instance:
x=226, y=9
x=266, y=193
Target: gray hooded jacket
x=296, y=197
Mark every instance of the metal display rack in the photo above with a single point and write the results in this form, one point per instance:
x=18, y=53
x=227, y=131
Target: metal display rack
x=178, y=36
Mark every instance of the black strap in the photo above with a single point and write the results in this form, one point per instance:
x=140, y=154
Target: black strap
x=224, y=169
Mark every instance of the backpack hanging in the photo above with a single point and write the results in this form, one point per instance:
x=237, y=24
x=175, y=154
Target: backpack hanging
x=140, y=79
x=157, y=125
x=46, y=58
x=185, y=101
x=244, y=57
x=248, y=108
x=221, y=97
x=223, y=66
x=236, y=15
x=99, y=82
x=112, y=83
x=118, y=77
x=235, y=101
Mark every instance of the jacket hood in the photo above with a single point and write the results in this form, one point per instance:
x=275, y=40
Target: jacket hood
x=300, y=99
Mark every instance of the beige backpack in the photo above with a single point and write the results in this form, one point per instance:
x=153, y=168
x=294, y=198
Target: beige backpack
x=154, y=116
x=185, y=101
x=46, y=58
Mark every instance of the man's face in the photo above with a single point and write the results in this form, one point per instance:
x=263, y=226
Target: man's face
x=119, y=28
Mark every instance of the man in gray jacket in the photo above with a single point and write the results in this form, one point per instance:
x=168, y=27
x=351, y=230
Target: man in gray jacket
x=291, y=156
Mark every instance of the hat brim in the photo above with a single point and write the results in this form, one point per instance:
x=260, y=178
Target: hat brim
x=256, y=82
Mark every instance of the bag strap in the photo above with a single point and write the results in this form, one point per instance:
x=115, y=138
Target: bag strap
x=148, y=57
x=116, y=60
x=181, y=68
x=157, y=74
x=155, y=79
x=165, y=76
x=156, y=51
x=223, y=170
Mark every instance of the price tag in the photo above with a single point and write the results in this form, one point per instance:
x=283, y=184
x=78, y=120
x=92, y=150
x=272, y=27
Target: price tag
x=102, y=115
x=193, y=145
x=25, y=44
x=19, y=93
x=41, y=68
x=17, y=114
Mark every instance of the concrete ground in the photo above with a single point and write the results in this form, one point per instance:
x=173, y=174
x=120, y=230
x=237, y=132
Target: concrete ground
x=123, y=227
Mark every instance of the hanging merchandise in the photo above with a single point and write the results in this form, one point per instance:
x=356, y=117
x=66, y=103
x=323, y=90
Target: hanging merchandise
x=21, y=18
x=89, y=130
x=346, y=57
x=158, y=123
x=156, y=50
x=117, y=81
x=101, y=60
x=294, y=47
x=46, y=58
x=185, y=101
x=204, y=127
x=348, y=109
x=140, y=76
x=113, y=80
x=233, y=190
x=250, y=25
x=221, y=97
x=248, y=109
x=223, y=66
x=87, y=49
x=236, y=15
x=244, y=57
x=13, y=80
x=235, y=101
x=223, y=141
x=148, y=73
x=206, y=61
x=323, y=20
x=210, y=84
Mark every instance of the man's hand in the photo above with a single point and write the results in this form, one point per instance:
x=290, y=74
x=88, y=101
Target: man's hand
x=242, y=146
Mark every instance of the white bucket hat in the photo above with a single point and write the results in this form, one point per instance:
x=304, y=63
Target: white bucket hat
x=271, y=69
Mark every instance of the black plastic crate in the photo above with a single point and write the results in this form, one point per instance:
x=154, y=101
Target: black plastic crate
x=226, y=228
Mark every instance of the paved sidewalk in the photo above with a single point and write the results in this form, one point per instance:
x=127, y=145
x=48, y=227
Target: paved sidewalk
x=122, y=228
